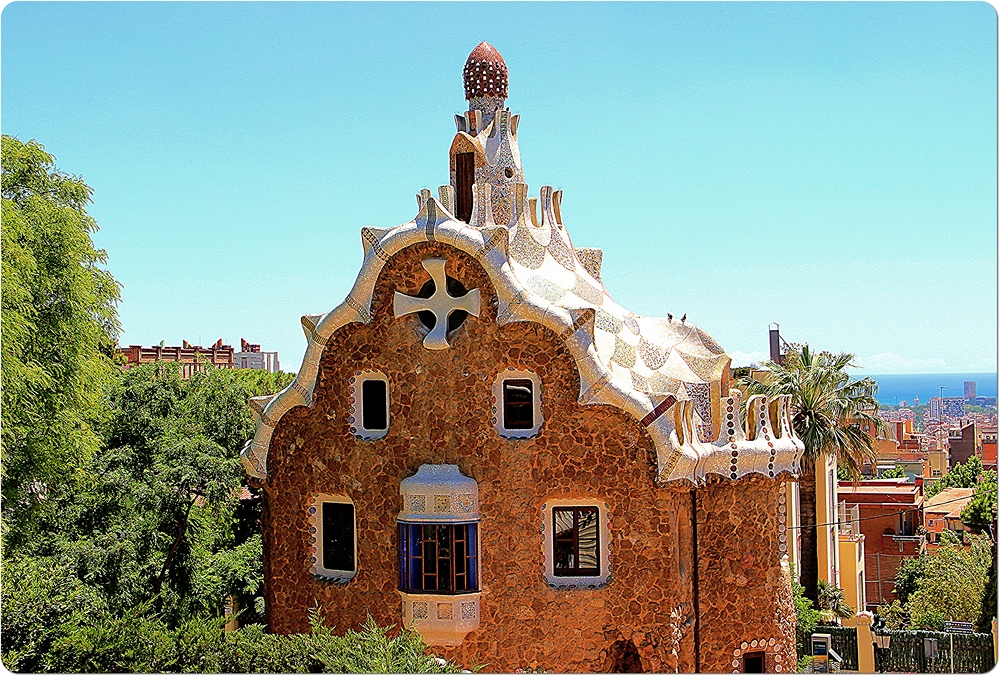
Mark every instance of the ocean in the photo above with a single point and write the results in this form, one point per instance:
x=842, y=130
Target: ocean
x=894, y=388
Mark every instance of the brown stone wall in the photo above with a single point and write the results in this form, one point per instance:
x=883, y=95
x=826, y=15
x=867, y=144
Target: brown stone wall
x=745, y=597
x=440, y=412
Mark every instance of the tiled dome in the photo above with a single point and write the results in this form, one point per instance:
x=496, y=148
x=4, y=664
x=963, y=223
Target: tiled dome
x=485, y=73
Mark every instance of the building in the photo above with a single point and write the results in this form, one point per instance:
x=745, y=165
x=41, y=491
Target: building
x=192, y=358
x=944, y=512
x=989, y=439
x=195, y=358
x=852, y=561
x=890, y=516
x=483, y=446
x=948, y=407
x=963, y=443
x=251, y=357
x=970, y=390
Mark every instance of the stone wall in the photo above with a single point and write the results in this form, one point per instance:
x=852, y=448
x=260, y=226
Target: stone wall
x=440, y=412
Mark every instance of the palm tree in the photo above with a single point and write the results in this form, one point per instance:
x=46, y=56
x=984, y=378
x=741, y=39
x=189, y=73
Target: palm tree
x=832, y=414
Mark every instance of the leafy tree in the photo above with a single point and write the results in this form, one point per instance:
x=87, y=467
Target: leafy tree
x=908, y=575
x=963, y=475
x=893, y=473
x=59, y=323
x=895, y=616
x=988, y=610
x=981, y=512
x=953, y=583
x=806, y=616
x=830, y=413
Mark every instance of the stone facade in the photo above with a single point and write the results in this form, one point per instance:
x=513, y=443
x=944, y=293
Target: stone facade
x=688, y=496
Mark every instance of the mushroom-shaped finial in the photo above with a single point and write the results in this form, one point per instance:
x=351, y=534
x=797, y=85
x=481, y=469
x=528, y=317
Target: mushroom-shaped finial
x=485, y=73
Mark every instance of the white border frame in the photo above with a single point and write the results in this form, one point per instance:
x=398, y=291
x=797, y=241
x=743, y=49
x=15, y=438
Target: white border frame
x=357, y=405
x=604, y=525
x=510, y=373
x=315, y=512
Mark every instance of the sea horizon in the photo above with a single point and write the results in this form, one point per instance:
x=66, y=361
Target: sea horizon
x=894, y=388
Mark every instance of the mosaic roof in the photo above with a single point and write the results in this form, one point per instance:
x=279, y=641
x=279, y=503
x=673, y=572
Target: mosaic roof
x=665, y=371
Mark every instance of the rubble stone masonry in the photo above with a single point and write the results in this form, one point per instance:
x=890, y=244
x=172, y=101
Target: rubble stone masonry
x=441, y=412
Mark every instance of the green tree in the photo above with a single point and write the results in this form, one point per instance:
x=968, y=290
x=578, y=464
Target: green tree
x=895, y=472
x=953, y=583
x=908, y=575
x=830, y=413
x=963, y=475
x=981, y=513
x=59, y=323
x=988, y=609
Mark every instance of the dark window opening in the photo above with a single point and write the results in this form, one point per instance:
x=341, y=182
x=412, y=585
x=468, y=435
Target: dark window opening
x=575, y=541
x=438, y=558
x=374, y=405
x=753, y=663
x=338, y=536
x=455, y=318
x=465, y=176
x=518, y=404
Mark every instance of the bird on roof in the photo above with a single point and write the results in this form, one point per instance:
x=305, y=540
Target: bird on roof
x=670, y=317
x=684, y=318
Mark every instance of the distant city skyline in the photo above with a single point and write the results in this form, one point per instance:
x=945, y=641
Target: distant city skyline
x=827, y=166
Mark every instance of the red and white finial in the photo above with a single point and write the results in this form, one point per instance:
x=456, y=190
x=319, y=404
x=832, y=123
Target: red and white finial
x=485, y=73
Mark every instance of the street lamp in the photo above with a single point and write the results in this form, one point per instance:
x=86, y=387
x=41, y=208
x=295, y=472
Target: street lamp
x=880, y=638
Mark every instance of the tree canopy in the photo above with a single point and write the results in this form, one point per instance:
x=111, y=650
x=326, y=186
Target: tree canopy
x=59, y=323
x=962, y=475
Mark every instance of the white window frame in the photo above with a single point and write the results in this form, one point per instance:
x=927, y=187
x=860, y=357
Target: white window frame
x=315, y=512
x=511, y=373
x=604, y=546
x=357, y=405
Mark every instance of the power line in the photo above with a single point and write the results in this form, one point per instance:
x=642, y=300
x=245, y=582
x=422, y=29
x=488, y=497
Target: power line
x=877, y=516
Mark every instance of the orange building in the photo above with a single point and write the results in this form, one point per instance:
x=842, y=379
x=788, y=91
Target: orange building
x=990, y=447
x=944, y=512
x=192, y=358
x=891, y=519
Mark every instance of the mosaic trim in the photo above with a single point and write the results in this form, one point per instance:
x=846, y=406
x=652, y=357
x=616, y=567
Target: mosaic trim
x=510, y=373
x=355, y=398
x=773, y=649
x=604, y=523
x=314, y=518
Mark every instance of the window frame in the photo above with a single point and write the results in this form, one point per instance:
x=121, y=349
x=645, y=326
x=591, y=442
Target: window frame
x=357, y=400
x=577, y=570
x=499, y=404
x=584, y=578
x=317, y=538
x=407, y=557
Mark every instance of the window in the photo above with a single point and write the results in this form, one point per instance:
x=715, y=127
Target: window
x=517, y=406
x=369, y=418
x=753, y=663
x=333, y=539
x=576, y=543
x=438, y=558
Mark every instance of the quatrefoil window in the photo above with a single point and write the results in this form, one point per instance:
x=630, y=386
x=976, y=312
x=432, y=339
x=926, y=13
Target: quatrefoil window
x=456, y=290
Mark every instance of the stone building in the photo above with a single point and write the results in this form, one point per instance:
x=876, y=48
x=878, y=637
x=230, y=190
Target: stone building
x=483, y=446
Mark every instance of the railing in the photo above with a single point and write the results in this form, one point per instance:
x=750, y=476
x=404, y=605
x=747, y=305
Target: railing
x=973, y=653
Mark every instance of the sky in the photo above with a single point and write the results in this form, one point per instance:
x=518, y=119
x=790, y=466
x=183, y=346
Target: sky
x=831, y=167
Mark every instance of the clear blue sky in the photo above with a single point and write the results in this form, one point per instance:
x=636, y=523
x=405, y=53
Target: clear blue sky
x=829, y=166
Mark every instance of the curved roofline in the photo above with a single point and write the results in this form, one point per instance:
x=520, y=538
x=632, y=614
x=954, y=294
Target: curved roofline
x=681, y=456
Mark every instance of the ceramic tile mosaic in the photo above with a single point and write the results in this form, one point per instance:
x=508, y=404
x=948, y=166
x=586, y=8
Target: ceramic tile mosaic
x=625, y=360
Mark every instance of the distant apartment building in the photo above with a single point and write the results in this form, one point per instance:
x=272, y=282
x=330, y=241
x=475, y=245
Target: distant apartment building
x=948, y=407
x=889, y=515
x=250, y=356
x=970, y=389
x=195, y=358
